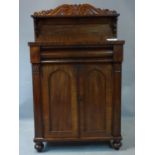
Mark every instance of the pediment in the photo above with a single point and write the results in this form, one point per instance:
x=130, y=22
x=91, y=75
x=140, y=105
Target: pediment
x=75, y=10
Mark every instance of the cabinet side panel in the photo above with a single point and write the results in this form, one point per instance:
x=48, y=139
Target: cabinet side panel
x=117, y=101
x=37, y=101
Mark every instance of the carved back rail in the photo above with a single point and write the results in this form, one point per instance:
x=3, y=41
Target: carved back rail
x=85, y=23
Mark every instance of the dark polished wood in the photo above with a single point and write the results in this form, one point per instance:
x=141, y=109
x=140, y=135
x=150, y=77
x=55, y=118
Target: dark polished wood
x=75, y=10
x=95, y=100
x=39, y=146
x=76, y=75
x=59, y=98
x=86, y=23
x=116, y=144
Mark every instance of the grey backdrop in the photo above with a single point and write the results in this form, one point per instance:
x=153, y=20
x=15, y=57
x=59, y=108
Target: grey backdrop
x=125, y=31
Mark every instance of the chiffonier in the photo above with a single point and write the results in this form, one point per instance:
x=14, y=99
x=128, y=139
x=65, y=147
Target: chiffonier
x=76, y=70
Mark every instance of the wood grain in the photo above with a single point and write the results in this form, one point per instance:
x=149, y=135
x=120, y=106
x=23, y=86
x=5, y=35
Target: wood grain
x=96, y=102
x=76, y=75
x=59, y=100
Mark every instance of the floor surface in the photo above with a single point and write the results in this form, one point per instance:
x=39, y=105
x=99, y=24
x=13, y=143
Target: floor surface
x=27, y=146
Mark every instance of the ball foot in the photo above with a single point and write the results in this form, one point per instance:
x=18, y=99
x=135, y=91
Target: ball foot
x=39, y=146
x=116, y=144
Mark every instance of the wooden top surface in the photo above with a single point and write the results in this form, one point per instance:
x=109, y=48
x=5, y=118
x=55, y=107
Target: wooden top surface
x=76, y=45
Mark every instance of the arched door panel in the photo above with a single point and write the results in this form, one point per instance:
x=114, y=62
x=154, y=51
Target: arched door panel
x=95, y=100
x=59, y=98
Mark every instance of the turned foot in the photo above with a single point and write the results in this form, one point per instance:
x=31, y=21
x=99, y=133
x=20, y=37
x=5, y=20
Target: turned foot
x=116, y=144
x=39, y=146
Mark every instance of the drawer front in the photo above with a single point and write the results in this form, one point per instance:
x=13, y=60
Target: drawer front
x=58, y=54
x=48, y=55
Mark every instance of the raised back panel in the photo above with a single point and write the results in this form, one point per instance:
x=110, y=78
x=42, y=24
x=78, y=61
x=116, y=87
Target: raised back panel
x=72, y=34
x=75, y=24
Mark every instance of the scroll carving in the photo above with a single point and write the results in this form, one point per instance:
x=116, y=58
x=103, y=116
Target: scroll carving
x=76, y=10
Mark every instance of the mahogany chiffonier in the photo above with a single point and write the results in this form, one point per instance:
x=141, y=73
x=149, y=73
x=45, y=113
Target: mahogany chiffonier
x=76, y=74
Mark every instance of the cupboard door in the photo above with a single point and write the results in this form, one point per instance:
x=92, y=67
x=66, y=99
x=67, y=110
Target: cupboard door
x=95, y=100
x=59, y=98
